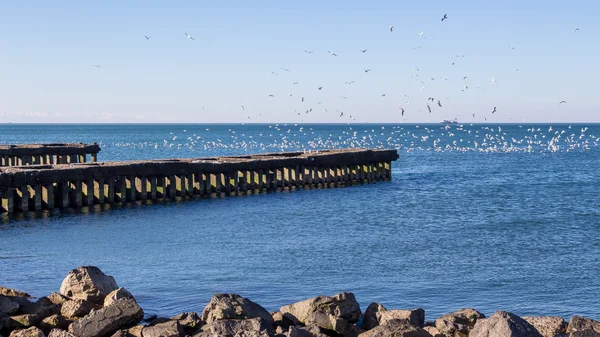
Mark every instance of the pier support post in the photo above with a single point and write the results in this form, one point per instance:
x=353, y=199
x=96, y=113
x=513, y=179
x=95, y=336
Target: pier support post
x=37, y=190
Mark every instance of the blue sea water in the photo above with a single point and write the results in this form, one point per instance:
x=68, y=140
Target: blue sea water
x=495, y=217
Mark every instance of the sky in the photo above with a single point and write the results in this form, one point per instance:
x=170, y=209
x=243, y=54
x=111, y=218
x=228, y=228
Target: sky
x=244, y=51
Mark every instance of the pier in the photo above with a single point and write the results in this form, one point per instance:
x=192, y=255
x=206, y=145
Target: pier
x=85, y=184
x=40, y=154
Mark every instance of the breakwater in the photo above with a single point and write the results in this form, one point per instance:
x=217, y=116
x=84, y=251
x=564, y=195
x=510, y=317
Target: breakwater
x=89, y=303
x=40, y=154
x=51, y=186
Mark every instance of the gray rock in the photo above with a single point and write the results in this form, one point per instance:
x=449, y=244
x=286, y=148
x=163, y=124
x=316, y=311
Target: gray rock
x=24, y=321
x=8, y=306
x=88, y=284
x=547, y=326
x=76, y=308
x=43, y=307
x=13, y=293
x=370, y=318
x=54, y=322
x=136, y=331
x=30, y=332
x=251, y=327
x=458, y=323
x=504, y=324
x=167, y=329
x=284, y=321
x=57, y=298
x=60, y=333
x=189, y=321
x=416, y=317
x=115, y=295
x=123, y=312
x=331, y=313
x=226, y=306
x=396, y=328
x=305, y=331
x=581, y=324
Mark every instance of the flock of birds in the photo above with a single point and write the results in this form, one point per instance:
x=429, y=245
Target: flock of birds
x=435, y=102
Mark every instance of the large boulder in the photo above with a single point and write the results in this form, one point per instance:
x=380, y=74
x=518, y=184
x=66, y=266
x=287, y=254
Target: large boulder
x=77, y=308
x=189, y=321
x=54, y=322
x=583, y=326
x=396, y=328
x=88, y=284
x=458, y=323
x=115, y=295
x=30, y=332
x=370, y=317
x=547, y=326
x=416, y=317
x=305, y=331
x=229, y=306
x=167, y=329
x=43, y=307
x=504, y=324
x=123, y=312
x=335, y=313
x=60, y=333
x=250, y=327
x=8, y=306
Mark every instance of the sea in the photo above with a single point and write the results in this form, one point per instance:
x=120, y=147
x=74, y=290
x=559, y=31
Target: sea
x=488, y=216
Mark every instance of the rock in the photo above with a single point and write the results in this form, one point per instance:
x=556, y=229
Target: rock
x=115, y=295
x=284, y=320
x=88, y=284
x=167, y=329
x=24, y=321
x=30, y=332
x=396, y=328
x=60, y=333
x=121, y=313
x=305, y=331
x=582, y=324
x=76, y=308
x=189, y=321
x=136, y=331
x=547, y=326
x=226, y=306
x=416, y=317
x=54, y=322
x=370, y=318
x=433, y=331
x=43, y=307
x=331, y=313
x=8, y=306
x=251, y=327
x=57, y=298
x=504, y=324
x=458, y=323
x=13, y=293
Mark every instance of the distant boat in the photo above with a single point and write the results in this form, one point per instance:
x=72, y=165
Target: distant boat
x=449, y=121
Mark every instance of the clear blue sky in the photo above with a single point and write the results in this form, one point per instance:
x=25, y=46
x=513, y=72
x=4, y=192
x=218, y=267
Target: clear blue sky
x=48, y=49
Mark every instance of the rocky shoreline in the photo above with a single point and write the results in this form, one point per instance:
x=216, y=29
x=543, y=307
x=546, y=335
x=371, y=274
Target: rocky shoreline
x=91, y=304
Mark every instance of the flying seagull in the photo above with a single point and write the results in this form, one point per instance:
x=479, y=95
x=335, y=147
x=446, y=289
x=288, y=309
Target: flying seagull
x=561, y=102
x=243, y=107
x=445, y=17
x=271, y=95
x=308, y=51
x=294, y=83
x=493, y=80
x=439, y=104
x=95, y=65
x=189, y=36
x=391, y=28
x=494, y=110
x=331, y=53
x=575, y=30
x=511, y=47
x=363, y=50
x=367, y=70
x=402, y=111
x=382, y=95
x=147, y=37
x=429, y=108
x=320, y=88
x=422, y=34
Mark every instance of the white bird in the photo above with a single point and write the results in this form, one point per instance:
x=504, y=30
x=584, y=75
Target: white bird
x=243, y=107
x=561, y=102
x=332, y=53
x=189, y=36
x=493, y=80
x=308, y=51
x=575, y=30
x=391, y=28
x=422, y=34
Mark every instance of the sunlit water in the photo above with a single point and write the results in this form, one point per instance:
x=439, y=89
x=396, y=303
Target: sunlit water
x=508, y=218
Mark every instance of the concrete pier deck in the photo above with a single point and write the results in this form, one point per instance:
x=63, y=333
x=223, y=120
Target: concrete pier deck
x=52, y=186
x=39, y=154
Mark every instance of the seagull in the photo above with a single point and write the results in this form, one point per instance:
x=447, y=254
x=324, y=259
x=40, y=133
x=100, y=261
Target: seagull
x=243, y=107
x=391, y=28
x=321, y=87
x=382, y=95
x=445, y=17
x=561, y=102
x=464, y=78
x=511, y=47
x=494, y=110
x=431, y=99
x=95, y=65
x=363, y=51
x=147, y=37
x=439, y=104
x=367, y=70
x=349, y=82
x=308, y=51
x=302, y=99
x=188, y=36
x=422, y=34
x=575, y=30
x=271, y=95
x=294, y=83
x=402, y=111
x=331, y=53
x=285, y=69
x=429, y=108
x=493, y=80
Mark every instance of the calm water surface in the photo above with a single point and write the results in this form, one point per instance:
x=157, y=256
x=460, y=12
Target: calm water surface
x=507, y=218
